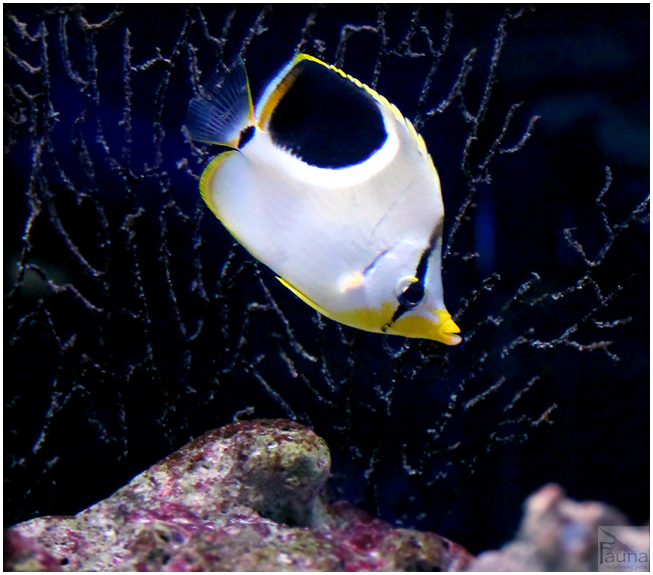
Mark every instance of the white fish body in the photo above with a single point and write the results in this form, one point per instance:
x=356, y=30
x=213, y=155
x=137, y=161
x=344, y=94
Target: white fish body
x=345, y=224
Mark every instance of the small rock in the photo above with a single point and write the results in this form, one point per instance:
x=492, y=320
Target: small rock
x=556, y=534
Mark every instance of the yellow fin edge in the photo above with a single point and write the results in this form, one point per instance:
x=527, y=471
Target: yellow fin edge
x=206, y=180
x=373, y=320
x=304, y=298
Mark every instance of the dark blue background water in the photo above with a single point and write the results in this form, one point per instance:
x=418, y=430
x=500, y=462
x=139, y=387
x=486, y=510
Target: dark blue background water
x=159, y=340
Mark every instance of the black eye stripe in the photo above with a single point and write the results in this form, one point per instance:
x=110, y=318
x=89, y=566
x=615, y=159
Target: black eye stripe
x=413, y=295
x=420, y=273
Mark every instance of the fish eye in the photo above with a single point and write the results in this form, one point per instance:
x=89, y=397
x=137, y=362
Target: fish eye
x=410, y=292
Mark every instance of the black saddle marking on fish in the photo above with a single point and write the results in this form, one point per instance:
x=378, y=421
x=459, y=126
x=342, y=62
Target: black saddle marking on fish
x=325, y=119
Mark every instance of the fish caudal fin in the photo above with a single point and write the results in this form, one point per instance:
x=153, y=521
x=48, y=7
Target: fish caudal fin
x=222, y=109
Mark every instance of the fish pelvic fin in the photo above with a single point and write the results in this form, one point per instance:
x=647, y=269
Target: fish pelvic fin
x=223, y=108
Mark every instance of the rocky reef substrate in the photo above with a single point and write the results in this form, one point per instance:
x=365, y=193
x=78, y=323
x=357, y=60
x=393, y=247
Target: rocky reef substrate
x=249, y=497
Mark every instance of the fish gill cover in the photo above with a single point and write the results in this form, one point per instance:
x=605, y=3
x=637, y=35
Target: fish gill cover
x=134, y=322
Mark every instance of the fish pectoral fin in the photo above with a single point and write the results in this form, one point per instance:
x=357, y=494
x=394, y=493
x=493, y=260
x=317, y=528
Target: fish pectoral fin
x=304, y=298
x=353, y=281
x=222, y=109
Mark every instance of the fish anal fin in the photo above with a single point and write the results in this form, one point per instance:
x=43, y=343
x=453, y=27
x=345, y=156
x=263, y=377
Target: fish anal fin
x=368, y=319
x=304, y=298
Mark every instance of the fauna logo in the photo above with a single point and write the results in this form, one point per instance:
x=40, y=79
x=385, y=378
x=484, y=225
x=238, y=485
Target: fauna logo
x=621, y=549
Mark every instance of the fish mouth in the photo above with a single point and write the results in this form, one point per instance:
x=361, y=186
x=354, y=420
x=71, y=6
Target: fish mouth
x=448, y=328
x=452, y=338
x=437, y=325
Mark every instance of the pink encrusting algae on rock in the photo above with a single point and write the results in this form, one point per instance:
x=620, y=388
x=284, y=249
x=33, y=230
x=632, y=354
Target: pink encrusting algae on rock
x=246, y=497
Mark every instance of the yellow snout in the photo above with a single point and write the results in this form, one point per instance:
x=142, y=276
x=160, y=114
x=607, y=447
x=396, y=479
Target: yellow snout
x=444, y=329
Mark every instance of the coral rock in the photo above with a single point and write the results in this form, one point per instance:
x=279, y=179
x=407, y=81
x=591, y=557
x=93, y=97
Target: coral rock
x=246, y=497
x=556, y=534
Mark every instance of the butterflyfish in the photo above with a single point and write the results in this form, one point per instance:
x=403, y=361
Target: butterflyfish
x=327, y=184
